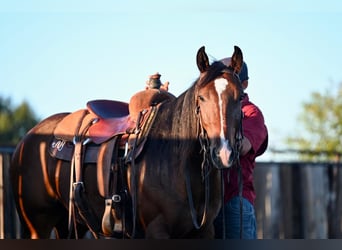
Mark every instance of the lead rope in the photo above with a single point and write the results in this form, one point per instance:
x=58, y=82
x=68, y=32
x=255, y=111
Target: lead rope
x=240, y=179
x=223, y=206
x=240, y=183
x=205, y=179
x=191, y=202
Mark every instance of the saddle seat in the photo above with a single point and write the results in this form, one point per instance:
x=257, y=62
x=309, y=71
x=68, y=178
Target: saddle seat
x=108, y=108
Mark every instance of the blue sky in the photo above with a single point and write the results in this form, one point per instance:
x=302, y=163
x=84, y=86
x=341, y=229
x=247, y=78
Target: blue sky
x=57, y=55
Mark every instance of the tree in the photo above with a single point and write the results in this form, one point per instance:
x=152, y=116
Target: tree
x=322, y=121
x=15, y=122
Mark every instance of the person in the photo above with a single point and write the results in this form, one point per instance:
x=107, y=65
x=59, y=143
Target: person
x=254, y=144
x=154, y=82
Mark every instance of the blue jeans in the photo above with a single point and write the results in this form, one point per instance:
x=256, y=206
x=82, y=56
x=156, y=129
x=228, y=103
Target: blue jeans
x=233, y=220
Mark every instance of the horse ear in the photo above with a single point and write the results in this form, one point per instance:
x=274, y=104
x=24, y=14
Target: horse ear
x=236, y=60
x=202, y=60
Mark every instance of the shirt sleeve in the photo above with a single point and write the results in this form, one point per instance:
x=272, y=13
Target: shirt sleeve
x=254, y=128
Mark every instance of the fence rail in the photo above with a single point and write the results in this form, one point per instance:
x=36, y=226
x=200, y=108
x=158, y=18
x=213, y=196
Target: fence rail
x=298, y=200
x=9, y=222
x=294, y=200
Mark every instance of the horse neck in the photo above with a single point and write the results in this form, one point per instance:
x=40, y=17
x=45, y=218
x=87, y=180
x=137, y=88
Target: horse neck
x=177, y=121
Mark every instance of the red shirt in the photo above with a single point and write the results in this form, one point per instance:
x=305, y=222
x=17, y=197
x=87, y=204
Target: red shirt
x=255, y=130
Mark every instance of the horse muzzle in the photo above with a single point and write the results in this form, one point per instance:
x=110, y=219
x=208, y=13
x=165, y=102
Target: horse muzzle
x=223, y=156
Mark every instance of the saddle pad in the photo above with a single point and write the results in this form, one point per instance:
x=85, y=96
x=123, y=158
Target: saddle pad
x=64, y=150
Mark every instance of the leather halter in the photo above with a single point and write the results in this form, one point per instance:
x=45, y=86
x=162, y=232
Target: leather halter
x=206, y=168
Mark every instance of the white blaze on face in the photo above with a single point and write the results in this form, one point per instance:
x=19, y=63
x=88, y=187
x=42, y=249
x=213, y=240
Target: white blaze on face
x=225, y=150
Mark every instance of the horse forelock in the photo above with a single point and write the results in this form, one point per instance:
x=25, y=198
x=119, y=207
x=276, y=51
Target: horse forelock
x=215, y=70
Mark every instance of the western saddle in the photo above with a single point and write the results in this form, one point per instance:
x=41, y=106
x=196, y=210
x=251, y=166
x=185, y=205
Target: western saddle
x=109, y=134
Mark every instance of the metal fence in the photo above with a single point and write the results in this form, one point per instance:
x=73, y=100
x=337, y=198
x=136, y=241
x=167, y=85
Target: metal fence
x=294, y=200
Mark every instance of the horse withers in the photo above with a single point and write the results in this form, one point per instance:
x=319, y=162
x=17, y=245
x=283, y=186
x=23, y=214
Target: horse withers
x=170, y=174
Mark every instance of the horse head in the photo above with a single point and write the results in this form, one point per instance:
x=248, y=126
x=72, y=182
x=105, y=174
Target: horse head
x=218, y=95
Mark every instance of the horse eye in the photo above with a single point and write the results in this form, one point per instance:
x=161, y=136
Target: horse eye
x=201, y=98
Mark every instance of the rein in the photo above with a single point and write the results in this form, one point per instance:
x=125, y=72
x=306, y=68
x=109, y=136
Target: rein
x=205, y=166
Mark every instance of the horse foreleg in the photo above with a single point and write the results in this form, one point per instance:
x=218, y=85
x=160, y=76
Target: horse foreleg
x=157, y=229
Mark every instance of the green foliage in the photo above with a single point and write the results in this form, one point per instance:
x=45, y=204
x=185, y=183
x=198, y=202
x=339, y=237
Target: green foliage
x=322, y=121
x=15, y=121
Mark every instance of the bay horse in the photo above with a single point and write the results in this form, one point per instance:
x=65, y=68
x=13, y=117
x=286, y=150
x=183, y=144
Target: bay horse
x=173, y=183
